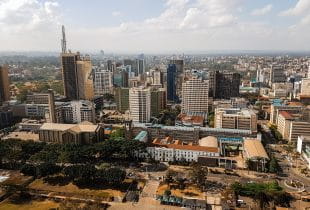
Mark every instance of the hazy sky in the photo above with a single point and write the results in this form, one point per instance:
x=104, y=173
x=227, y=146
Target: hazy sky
x=155, y=25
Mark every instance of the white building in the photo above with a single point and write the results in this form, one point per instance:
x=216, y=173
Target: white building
x=195, y=96
x=75, y=112
x=103, y=83
x=303, y=148
x=140, y=104
x=167, y=150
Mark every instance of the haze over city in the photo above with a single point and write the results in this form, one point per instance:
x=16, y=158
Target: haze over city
x=155, y=104
x=155, y=26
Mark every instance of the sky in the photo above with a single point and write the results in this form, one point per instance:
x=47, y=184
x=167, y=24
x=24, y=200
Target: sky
x=155, y=26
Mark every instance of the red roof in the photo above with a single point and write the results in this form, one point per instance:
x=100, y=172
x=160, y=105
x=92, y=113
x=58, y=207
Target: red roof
x=286, y=115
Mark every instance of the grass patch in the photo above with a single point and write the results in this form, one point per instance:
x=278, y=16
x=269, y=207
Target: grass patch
x=190, y=191
x=33, y=205
x=73, y=190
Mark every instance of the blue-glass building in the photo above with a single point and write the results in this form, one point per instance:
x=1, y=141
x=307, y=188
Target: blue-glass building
x=171, y=83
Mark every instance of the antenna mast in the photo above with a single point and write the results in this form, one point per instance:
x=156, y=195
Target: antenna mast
x=63, y=41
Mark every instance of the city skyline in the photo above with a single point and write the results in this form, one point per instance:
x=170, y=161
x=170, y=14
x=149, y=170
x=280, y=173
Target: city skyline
x=156, y=26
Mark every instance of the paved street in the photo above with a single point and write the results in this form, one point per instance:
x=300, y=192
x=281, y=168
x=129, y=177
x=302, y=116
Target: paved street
x=147, y=200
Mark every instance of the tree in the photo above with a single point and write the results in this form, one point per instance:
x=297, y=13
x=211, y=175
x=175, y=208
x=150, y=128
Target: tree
x=274, y=166
x=46, y=169
x=29, y=170
x=283, y=199
x=167, y=192
x=198, y=174
x=262, y=199
x=22, y=95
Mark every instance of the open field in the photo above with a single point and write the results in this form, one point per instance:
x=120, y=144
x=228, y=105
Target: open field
x=72, y=190
x=32, y=205
x=14, y=177
x=190, y=191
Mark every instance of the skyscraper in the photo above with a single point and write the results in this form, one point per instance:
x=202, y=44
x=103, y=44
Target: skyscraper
x=277, y=75
x=141, y=66
x=120, y=78
x=140, y=104
x=122, y=99
x=179, y=64
x=195, y=94
x=77, y=78
x=4, y=84
x=158, y=101
x=171, y=83
x=103, y=82
x=227, y=85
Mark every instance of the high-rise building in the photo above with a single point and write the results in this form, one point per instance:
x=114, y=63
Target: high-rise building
x=103, y=82
x=4, y=84
x=120, y=78
x=179, y=64
x=277, y=75
x=140, y=104
x=158, y=101
x=195, y=94
x=227, y=85
x=157, y=78
x=141, y=66
x=171, y=83
x=122, y=99
x=77, y=76
x=212, y=83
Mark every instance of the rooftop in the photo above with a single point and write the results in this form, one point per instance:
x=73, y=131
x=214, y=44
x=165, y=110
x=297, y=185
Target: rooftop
x=255, y=149
x=77, y=128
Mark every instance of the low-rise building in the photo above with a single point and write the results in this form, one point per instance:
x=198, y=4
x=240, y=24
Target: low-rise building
x=303, y=148
x=254, y=150
x=170, y=150
x=244, y=119
x=83, y=133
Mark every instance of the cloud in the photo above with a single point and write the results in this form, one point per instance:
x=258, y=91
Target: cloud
x=28, y=23
x=116, y=13
x=300, y=8
x=262, y=11
x=183, y=25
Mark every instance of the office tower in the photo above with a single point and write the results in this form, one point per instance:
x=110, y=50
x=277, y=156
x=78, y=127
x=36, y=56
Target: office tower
x=158, y=101
x=277, y=75
x=85, y=79
x=195, y=96
x=212, y=83
x=171, y=84
x=243, y=119
x=4, y=84
x=140, y=104
x=110, y=66
x=179, y=75
x=133, y=65
x=157, y=77
x=122, y=99
x=103, y=82
x=77, y=79
x=120, y=78
x=141, y=66
x=227, y=85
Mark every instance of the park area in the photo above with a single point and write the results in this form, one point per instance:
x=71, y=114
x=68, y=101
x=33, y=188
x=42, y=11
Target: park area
x=31, y=205
x=71, y=190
